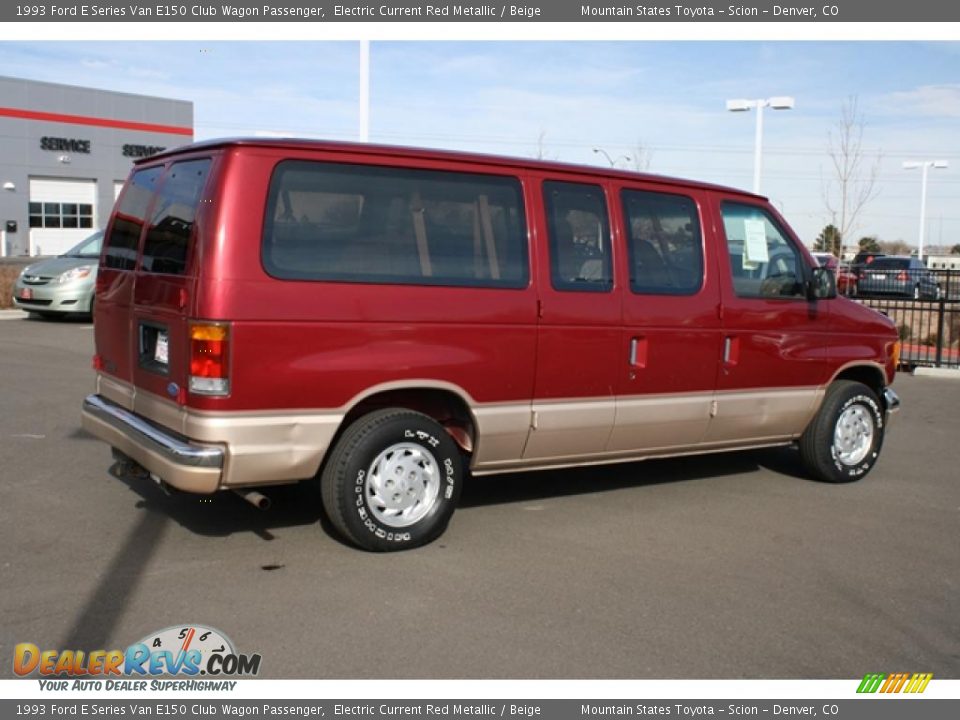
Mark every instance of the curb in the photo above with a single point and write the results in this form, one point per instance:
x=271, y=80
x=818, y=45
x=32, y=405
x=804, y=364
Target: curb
x=952, y=373
x=13, y=314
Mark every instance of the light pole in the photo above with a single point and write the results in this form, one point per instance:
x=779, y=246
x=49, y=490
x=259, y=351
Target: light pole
x=613, y=163
x=364, y=91
x=924, y=165
x=777, y=103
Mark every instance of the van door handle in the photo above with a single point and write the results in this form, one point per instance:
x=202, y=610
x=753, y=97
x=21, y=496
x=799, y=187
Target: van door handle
x=731, y=351
x=638, y=352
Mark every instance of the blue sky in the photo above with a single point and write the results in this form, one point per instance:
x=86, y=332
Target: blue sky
x=501, y=97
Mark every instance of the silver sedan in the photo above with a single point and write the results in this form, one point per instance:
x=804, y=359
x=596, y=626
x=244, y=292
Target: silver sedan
x=62, y=285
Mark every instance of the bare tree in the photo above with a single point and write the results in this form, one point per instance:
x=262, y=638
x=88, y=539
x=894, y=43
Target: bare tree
x=854, y=181
x=541, y=153
x=641, y=157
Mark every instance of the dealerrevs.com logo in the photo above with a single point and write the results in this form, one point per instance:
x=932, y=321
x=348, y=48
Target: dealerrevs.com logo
x=894, y=682
x=179, y=650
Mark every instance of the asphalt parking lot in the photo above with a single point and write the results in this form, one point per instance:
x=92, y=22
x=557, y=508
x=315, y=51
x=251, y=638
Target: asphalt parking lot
x=721, y=566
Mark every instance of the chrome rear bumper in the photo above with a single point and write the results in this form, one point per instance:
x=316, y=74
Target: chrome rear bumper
x=182, y=464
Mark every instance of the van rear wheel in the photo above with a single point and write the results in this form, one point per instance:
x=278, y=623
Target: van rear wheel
x=843, y=441
x=392, y=481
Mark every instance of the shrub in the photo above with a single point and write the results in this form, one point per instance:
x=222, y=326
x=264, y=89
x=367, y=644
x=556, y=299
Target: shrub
x=8, y=276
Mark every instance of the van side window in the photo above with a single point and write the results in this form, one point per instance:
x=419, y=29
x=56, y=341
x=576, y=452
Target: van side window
x=357, y=223
x=664, y=243
x=763, y=261
x=124, y=239
x=579, y=232
x=171, y=226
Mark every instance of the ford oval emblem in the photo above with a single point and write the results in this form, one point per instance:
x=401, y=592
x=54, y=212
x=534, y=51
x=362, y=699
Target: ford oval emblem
x=173, y=389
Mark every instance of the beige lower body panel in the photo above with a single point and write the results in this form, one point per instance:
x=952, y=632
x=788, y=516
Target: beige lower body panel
x=287, y=446
x=570, y=433
x=765, y=414
x=660, y=421
x=183, y=477
x=569, y=427
x=262, y=448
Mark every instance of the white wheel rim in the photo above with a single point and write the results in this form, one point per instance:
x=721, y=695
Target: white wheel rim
x=853, y=434
x=402, y=485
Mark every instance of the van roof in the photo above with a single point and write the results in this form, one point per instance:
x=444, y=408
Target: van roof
x=429, y=153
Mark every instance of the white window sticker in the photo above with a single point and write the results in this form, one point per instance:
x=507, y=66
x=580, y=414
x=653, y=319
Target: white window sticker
x=755, y=241
x=161, y=352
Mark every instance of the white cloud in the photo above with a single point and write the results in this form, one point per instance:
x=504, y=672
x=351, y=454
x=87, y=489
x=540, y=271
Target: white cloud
x=940, y=101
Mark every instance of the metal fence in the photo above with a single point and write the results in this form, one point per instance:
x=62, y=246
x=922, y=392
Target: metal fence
x=925, y=309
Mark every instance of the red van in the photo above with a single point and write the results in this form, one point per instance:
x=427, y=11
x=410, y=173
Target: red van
x=392, y=320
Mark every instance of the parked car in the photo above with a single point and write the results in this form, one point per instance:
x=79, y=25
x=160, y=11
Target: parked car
x=865, y=257
x=899, y=275
x=862, y=260
x=845, y=279
x=827, y=260
x=63, y=285
x=389, y=321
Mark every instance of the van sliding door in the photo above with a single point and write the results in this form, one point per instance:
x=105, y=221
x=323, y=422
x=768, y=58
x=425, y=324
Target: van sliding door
x=579, y=331
x=669, y=353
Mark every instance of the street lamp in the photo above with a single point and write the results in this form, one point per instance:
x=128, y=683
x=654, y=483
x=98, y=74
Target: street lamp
x=777, y=103
x=924, y=165
x=613, y=163
x=364, y=91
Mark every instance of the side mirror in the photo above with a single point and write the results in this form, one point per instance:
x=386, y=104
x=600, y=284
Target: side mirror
x=822, y=284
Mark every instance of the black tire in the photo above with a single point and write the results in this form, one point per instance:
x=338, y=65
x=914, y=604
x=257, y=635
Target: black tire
x=424, y=456
x=818, y=444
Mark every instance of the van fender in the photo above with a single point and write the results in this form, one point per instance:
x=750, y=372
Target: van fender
x=465, y=437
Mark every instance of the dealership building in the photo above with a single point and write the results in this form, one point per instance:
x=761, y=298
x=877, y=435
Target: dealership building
x=64, y=154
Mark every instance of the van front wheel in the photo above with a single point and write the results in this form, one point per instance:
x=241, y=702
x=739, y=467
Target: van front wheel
x=842, y=442
x=392, y=481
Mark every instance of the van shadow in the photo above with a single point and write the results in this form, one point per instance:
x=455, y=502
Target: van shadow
x=226, y=513
x=526, y=487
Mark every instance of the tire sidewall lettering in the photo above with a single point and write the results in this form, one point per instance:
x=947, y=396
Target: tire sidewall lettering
x=861, y=468
x=441, y=449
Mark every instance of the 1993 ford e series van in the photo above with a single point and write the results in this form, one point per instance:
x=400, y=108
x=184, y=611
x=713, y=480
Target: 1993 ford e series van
x=390, y=320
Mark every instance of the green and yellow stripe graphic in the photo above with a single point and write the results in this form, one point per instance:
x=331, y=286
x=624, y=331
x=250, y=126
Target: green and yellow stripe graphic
x=894, y=682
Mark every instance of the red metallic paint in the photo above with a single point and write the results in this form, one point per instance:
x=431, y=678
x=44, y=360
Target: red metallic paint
x=302, y=344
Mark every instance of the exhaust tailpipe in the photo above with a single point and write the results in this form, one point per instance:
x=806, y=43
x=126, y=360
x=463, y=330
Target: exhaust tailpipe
x=258, y=500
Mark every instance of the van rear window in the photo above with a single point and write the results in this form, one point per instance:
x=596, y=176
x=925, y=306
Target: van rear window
x=124, y=238
x=171, y=224
x=357, y=223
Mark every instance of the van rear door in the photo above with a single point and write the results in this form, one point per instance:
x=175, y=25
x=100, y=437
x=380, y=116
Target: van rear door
x=165, y=284
x=116, y=276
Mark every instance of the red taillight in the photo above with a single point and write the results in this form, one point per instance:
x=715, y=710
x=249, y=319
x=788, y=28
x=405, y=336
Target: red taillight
x=902, y=276
x=210, y=358
x=100, y=284
x=97, y=362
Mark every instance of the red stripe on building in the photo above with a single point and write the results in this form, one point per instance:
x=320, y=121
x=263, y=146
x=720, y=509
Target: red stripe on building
x=94, y=121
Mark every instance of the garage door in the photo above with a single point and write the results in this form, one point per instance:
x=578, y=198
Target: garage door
x=62, y=213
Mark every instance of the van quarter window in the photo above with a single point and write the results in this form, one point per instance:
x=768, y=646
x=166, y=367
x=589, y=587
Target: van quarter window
x=763, y=261
x=171, y=226
x=354, y=223
x=664, y=243
x=124, y=238
x=579, y=231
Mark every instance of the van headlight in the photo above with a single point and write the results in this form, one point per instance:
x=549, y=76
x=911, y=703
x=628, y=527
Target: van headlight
x=77, y=273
